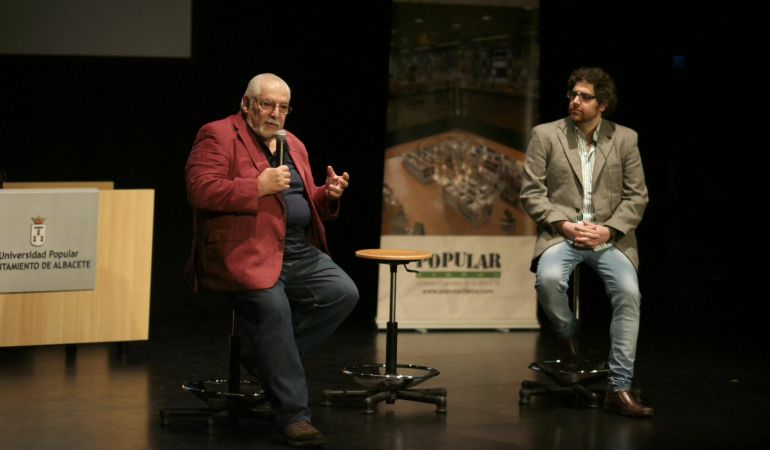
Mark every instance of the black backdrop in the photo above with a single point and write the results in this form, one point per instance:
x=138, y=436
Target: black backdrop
x=133, y=121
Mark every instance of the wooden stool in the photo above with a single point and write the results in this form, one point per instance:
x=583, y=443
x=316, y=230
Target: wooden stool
x=383, y=381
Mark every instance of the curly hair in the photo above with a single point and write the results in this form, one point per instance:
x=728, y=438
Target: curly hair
x=604, y=86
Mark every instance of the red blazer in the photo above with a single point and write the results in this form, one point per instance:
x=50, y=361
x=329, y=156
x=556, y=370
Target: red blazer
x=238, y=235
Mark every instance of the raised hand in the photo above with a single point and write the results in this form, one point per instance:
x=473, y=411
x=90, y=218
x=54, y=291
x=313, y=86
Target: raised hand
x=335, y=184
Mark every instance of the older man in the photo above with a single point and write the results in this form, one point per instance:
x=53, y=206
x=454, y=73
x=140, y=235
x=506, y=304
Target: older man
x=259, y=236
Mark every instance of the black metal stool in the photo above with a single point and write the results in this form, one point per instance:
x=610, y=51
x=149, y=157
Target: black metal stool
x=584, y=384
x=228, y=400
x=390, y=381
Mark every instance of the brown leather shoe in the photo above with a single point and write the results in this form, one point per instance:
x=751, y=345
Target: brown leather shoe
x=303, y=434
x=623, y=402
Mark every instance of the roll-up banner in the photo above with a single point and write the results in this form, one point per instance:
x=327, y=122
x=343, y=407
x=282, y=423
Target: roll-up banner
x=462, y=99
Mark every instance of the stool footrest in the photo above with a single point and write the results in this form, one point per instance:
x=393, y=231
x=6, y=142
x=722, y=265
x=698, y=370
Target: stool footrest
x=225, y=407
x=211, y=391
x=376, y=376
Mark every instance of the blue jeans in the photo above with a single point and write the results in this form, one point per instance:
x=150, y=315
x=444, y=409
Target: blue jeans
x=308, y=302
x=622, y=285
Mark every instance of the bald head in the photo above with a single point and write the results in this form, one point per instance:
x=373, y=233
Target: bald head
x=264, y=81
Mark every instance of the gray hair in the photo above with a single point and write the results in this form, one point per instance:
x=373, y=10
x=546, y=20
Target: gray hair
x=254, y=87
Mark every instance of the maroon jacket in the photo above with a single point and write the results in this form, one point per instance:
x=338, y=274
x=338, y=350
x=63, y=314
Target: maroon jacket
x=238, y=235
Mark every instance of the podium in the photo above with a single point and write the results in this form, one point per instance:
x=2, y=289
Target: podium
x=118, y=309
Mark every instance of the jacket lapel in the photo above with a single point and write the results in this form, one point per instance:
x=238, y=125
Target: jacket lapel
x=246, y=138
x=569, y=144
x=604, y=145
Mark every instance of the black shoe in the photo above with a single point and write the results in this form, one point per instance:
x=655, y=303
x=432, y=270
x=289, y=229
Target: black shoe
x=570, y=347
x=571, y=357
x=303, y=434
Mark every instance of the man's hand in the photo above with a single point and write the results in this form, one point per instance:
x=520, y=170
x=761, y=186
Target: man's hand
x=335, y=184
x=589, y=235
x=584, y=235
x=274, y=180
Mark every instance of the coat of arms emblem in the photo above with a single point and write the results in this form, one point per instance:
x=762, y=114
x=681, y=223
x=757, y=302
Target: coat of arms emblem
x=37, y=231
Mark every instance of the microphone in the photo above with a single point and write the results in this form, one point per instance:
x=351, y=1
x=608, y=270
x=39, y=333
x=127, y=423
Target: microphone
x=280, y=138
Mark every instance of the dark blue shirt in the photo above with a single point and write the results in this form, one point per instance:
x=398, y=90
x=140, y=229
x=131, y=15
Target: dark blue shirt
x=297, y=208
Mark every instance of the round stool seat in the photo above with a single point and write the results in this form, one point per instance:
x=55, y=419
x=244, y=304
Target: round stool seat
x=392, y=255
x=390, y=381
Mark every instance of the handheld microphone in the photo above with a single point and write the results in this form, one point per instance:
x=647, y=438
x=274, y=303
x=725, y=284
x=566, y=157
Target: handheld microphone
x=280, y=138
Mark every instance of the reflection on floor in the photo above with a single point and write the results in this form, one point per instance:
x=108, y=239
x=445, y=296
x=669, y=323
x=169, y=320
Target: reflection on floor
x=94, y=400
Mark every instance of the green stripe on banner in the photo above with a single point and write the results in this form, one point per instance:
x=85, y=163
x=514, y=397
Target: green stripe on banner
x=458, y=274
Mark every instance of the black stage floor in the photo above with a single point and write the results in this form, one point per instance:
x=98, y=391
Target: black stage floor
x=707, y=394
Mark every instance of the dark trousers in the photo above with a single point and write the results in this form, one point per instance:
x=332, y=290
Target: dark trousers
x=310, y=300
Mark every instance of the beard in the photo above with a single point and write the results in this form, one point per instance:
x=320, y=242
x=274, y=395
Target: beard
x=265, y=130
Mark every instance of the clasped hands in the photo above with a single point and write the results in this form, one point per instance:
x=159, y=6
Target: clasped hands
x=278, y=179
x=584, y=235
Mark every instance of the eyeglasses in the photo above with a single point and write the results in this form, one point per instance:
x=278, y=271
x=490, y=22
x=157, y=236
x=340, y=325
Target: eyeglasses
x=269, y=106
x=583, y=96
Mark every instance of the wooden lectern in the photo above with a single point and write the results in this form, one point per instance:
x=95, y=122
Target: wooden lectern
x=118, y=309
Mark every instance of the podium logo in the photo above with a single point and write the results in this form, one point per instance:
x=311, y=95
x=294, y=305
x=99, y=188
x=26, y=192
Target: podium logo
x=37, y=231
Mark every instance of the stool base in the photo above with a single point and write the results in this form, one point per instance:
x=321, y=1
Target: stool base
x=436, y=396
x=224, y=408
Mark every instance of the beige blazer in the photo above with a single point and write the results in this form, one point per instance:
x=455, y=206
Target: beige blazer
x=552, y=186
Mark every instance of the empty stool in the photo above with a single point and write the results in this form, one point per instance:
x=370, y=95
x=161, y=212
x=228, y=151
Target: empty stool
x=390, y=381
